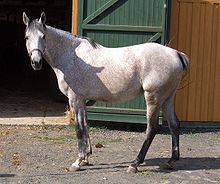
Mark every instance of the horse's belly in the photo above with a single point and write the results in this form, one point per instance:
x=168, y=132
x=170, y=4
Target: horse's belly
x=115, y=95
x=122, y=98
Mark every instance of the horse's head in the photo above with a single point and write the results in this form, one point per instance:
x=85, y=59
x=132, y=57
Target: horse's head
x=35, y=39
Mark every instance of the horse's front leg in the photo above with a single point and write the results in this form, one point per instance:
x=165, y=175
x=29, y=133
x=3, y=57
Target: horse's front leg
x=82, y=134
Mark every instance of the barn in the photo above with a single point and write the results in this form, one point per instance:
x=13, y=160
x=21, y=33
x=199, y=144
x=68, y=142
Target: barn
x=191, y=26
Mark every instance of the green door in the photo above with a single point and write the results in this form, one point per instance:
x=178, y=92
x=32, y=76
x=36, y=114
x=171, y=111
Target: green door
x=115, y=23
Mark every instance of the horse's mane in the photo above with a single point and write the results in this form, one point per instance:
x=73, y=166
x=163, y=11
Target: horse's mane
x=34, y=24
x=90, y=40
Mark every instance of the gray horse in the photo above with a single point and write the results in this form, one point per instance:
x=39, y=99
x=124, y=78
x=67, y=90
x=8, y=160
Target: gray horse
x=86, y=70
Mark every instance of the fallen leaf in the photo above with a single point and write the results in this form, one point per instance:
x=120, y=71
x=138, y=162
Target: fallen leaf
x=98, y=145
x=16, y=159
x=66, y=169
x=70, y=116
x=4, y=132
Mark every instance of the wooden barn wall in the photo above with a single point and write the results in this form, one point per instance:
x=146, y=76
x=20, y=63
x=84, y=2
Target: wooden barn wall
x=195, y=30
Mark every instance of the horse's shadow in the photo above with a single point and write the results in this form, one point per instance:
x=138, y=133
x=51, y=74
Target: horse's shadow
x=185, y=164
x=7, y=175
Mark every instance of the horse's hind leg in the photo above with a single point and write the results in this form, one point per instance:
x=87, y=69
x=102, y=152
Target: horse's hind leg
x=173, y=124
x=152, y=127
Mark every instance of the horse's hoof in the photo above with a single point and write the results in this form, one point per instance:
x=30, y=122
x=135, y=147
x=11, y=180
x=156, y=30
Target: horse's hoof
x=84, y=163
x=168, y=166
x=132, y=169
x=74, y=168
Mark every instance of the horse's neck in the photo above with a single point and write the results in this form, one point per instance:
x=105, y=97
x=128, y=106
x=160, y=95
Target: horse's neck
x=57, y=43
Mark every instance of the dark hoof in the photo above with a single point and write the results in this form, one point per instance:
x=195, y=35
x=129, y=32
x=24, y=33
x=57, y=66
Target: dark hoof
x=132, y=169
x=84, y=163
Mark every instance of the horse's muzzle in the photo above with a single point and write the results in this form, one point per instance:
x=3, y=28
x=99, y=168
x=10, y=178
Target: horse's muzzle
x=36, y=60
x=36, y=65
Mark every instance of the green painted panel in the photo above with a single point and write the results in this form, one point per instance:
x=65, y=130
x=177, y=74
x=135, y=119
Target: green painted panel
x=125, y=12
x=120, y=38
x=115, y=23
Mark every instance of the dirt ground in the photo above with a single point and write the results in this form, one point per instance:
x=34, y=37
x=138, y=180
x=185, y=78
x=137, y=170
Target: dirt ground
x=41, y=152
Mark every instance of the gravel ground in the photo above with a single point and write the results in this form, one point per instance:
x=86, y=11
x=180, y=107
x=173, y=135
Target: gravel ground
x=42, y=154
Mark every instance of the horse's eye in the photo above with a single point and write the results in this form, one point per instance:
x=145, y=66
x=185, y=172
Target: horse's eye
x=43, y=37
x=26, y=38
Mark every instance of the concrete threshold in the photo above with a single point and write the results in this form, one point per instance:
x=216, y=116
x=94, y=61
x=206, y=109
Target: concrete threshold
x=58, y=120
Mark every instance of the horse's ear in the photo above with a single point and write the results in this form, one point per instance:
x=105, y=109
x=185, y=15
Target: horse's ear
x=42, y=18
x=26, y=20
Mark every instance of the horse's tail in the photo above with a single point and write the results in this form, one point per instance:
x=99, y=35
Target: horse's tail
x=184, y=60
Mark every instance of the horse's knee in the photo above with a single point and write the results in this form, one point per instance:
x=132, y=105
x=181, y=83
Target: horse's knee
x=79, y=134
x=81, y=131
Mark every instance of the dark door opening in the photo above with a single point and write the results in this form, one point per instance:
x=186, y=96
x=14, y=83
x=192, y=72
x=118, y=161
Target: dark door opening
x=16, y=74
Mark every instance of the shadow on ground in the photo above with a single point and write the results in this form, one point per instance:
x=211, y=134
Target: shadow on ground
x=184, y=164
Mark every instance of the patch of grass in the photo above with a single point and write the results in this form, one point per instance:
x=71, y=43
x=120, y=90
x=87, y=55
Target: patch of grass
x=47, y=127
x=54, y=127
x=191, y=135
x=59, y=139
x=210, y=145
x=216, y=139
x=164, y=177
x=96, y=129
x=115, y=140
x=145, y=173
x=217, y=179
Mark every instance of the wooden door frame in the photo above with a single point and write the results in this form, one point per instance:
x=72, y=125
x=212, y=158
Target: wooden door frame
x=74, y=16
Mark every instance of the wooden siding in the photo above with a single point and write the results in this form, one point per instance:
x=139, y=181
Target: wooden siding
x=195, y=28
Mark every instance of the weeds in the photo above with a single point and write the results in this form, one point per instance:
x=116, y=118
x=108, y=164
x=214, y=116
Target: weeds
x=145, y=173
x=217, y=179
x=191, y=135
x=47, y=127
x=115, y=140
x=216, y=139
x=59, y=139
x=93, y=130
x=164, y=177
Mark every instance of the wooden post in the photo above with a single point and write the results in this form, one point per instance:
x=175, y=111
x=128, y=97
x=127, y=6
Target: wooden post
x=74, y=16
